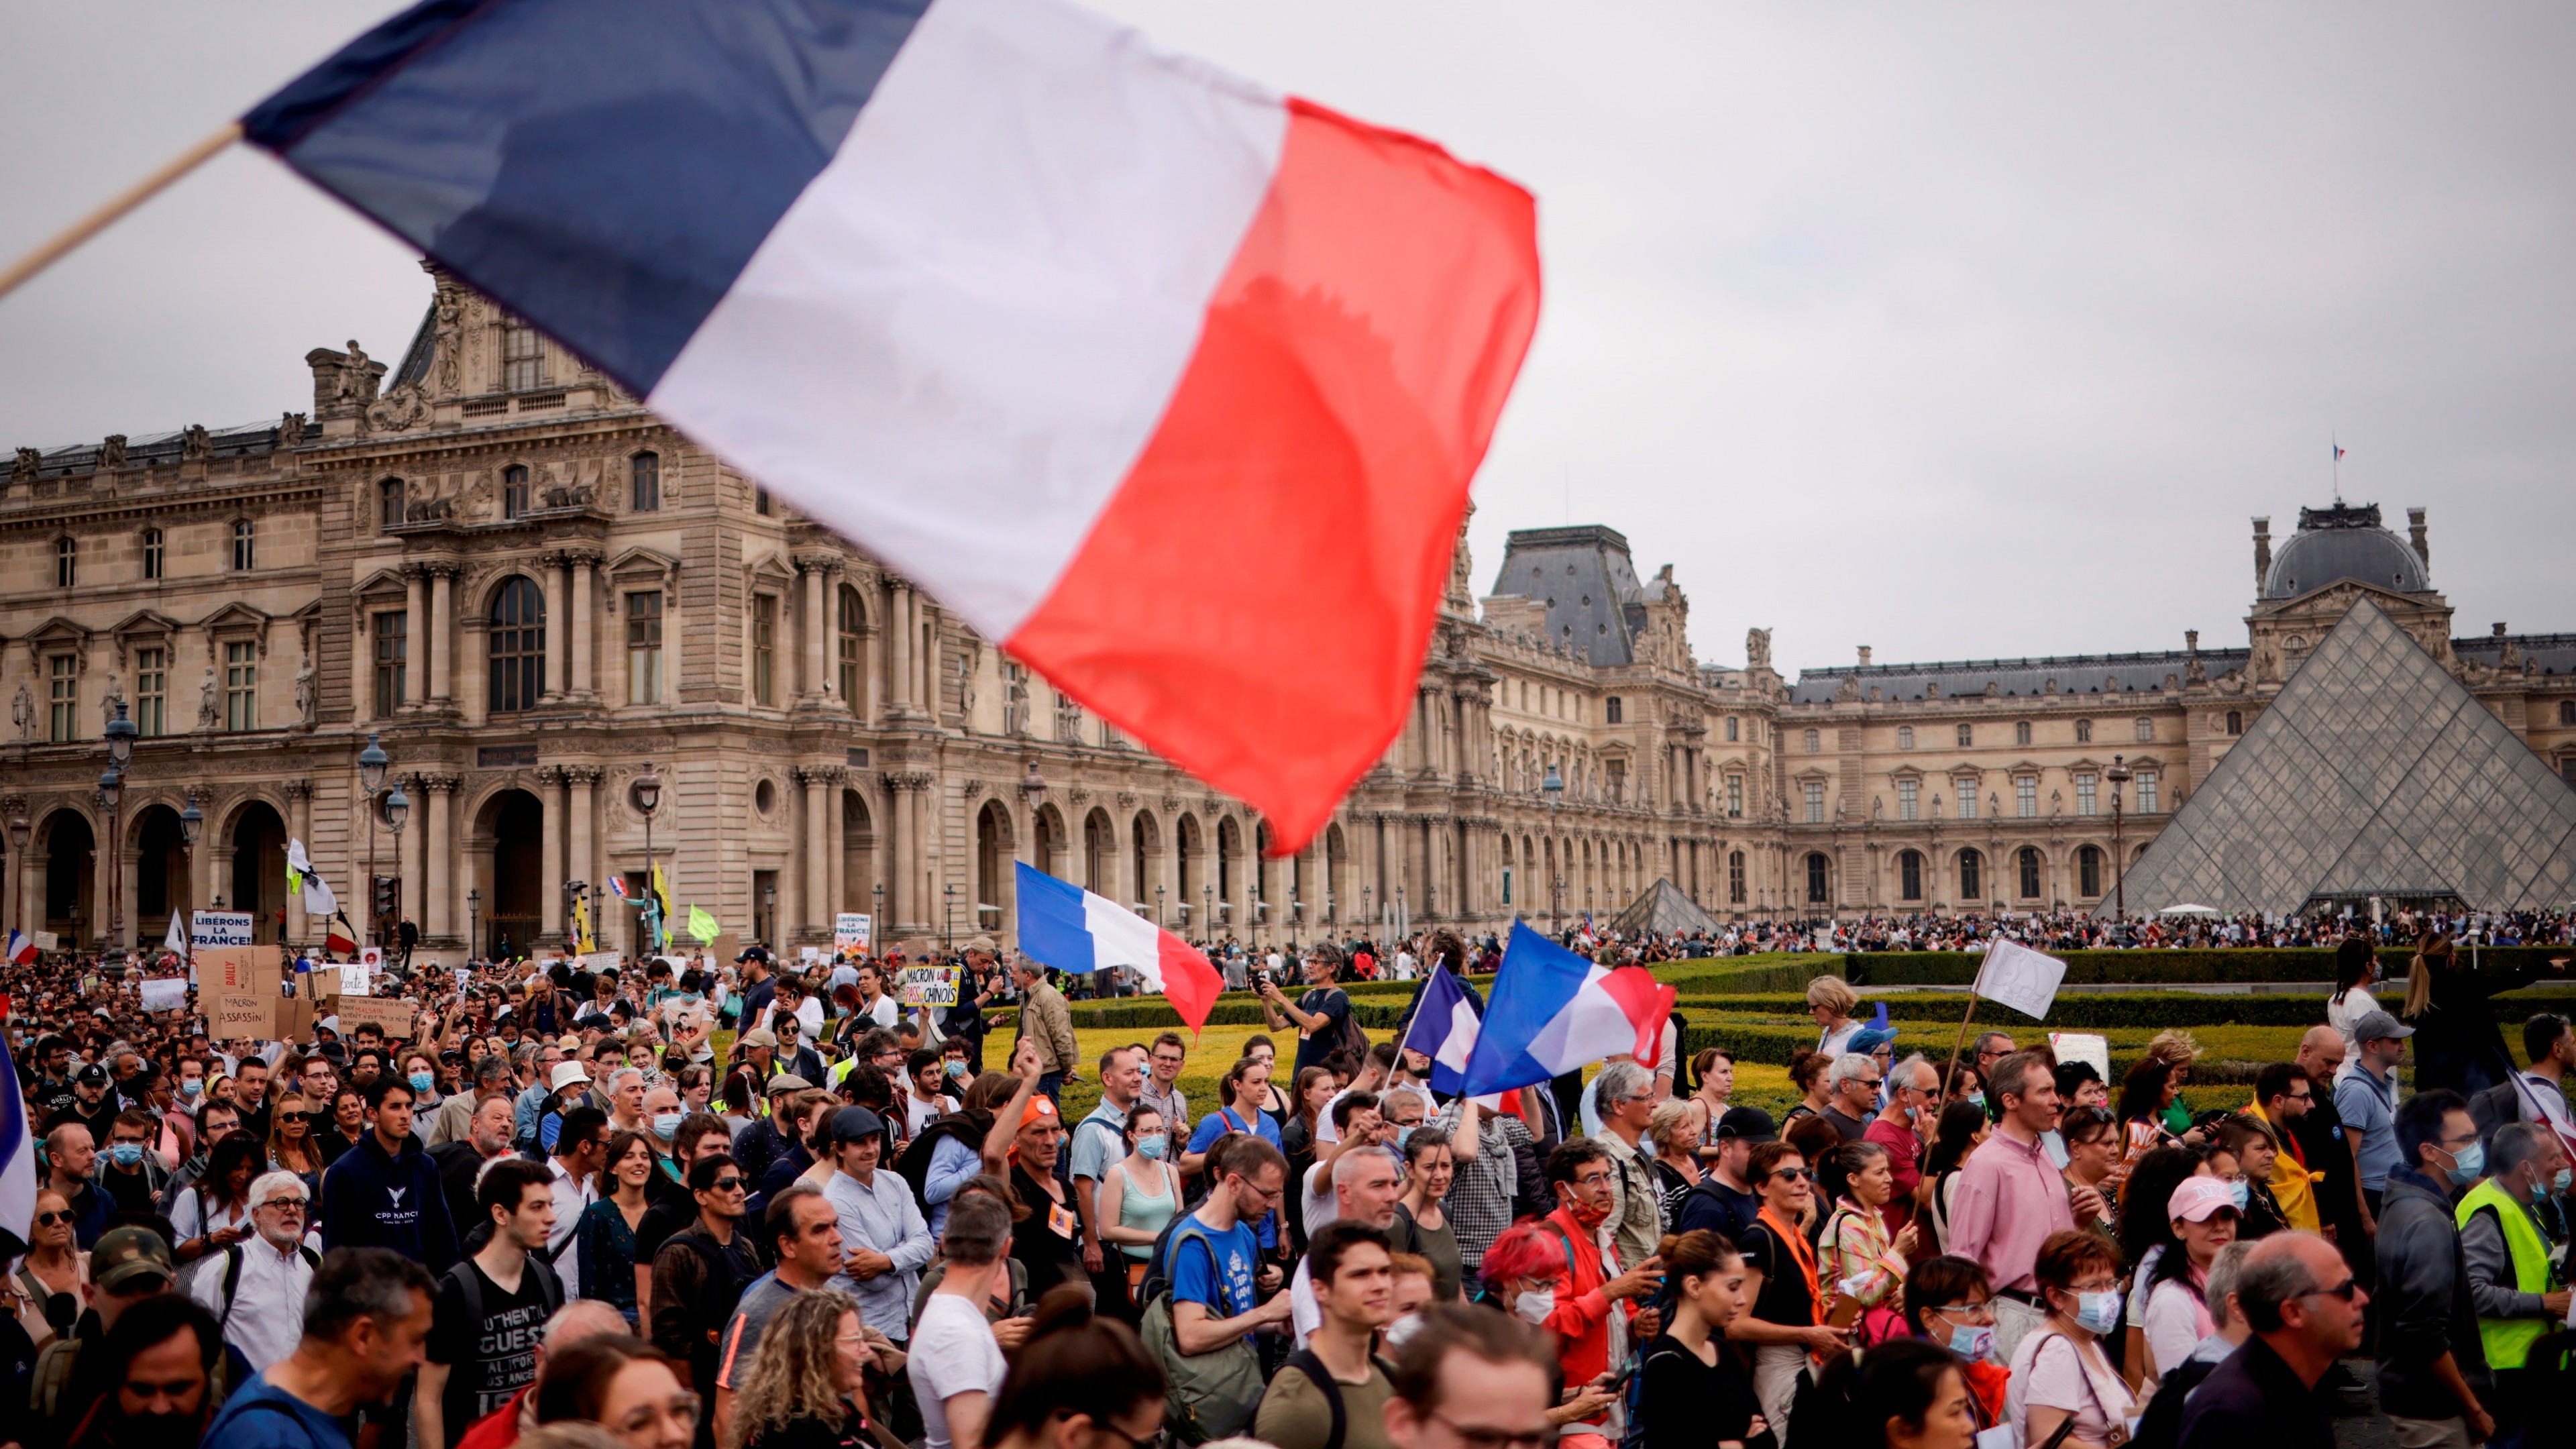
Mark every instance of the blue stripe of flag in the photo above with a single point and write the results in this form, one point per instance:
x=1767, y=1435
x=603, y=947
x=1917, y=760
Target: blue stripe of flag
x=1538, y=980
x=608, y=166
x=1054, y=926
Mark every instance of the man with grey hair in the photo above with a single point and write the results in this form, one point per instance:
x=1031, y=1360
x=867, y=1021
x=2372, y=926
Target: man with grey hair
x=454, y=1122
x=626, y=1099
x=2302, y=1310
x=2507, y=1256
x=1913, y=1095
x=1366, y=1188
x=1625, y=1095
x=1851, y=1096
x=256, y=1287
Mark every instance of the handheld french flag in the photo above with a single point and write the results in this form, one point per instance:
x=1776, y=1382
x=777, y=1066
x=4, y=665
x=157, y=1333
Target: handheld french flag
x=22, y=949
x=17, y=1161
x=1074, y=930
x=1553, y=1012
x=1038, y=313
x=1444, y=1029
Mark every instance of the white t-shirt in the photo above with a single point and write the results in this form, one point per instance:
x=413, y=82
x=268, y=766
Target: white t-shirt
x=952, y=1352
x=918, y=1114
x=1315, y=1196
x=2343, y=1015
x=2174, y=1325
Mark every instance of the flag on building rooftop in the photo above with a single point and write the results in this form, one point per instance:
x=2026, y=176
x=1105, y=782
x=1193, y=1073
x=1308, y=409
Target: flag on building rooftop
x=1044, y=316
x=1077, y=931
x=1552, y=1012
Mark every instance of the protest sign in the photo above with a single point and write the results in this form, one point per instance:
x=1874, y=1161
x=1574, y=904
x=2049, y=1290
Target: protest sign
x=165, y=993
x=47, y=941
x=2077, y=1046
x=929, y=986
x=391, y=1013
x=809, y=955
x=237, y=1012
x=851, y=933
x=2021, y=978
x=598, y=961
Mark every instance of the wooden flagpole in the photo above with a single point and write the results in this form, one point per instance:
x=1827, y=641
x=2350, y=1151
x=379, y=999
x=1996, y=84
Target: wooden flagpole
x=117, y=206
x=1950, y=1073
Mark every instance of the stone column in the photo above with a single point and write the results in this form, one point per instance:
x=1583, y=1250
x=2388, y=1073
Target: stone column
x=899, y=626
x=438, y=843
x=416, y=850
x=440, y=640
x=581, y=865
x=818, y=878
x=896, y=851
x=552, y=576
x=584, y=645
x=550, y=850
x=818, y=632
x=299, y=826
x=418, y=631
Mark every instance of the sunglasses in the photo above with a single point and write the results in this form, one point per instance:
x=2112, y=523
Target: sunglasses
x=728, y=1184
x=1792, y=1172
x=2344, y=1290
x=47, y=1220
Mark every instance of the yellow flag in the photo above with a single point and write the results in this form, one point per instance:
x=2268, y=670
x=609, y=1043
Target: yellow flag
x=661, y=891
x=582, y=942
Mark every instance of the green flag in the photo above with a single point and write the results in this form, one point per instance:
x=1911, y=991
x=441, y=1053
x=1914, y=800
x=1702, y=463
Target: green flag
x=702, y=925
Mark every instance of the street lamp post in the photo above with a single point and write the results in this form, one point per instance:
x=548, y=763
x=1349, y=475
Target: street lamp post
x=192, y=825
x=111, y=795
x=473, y=923
x=18, y=832
x=2118, y=775
x=371, y=778
x=769, y=913
x=948, y=909
x=648, y=798
x=1158, y=906
x=1554, y=786
x=1207, y=917
x=398, y=811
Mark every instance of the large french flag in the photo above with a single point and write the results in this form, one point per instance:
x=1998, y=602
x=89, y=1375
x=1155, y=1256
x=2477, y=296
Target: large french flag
x=1073, y=930
x=17, y=1161
x=1553, y=1012
x=1172, y=384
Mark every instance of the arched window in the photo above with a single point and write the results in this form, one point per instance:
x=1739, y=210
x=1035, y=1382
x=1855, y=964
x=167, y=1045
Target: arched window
x=1816, y=886
x=518, y=638
x=1967, y=736
x=646, y=470
x=2088, y=871
x=2146, y=730
x=1905, y=737
x=1735, y=877
x=1909, y=875
x=2028, y=860
x=2021, y=732
x=1815, y=742
x=389, y=503
x=245, y=545
x=1972, y=876
x=2084, y=732
x=153, y=554
x=2235, y=722
x=853, y=643
x=514, y=491
x=66, y=562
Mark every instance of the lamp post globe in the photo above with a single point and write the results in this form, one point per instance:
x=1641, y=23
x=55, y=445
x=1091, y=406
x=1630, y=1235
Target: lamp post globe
x=192, y=824
x=111, y=789
x=371, y=766
x=648, y=790
x=120, y=739
x=397, y=810
x=18, y=828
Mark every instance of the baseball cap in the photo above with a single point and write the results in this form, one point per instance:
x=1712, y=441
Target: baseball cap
x=567, y=1074
x=92, y=1075
x=2197, y=1198
x=1747, y=1124
x=855, y=1124
x=2380, y=1026
x=760, y=1036
x=127, y=1255
x=787, y=1082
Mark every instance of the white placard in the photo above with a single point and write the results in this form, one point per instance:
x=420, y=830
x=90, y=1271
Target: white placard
x=929, y=986
x=809, y=955
x=598, y=961
x=2021, y=978
x=219, y=928
x=2086, y=1047
x=851, y=933
x=165, y=993
x=47, y=941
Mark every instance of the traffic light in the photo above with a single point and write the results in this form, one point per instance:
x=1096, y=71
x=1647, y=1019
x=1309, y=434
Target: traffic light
x=385, y=897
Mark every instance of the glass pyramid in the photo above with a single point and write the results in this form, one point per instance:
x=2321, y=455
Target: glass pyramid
x=2374, y=772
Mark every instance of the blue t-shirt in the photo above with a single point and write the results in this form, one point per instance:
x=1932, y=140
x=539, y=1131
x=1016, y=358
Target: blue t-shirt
x=2362, y=1101
x=286, y=1422
x=1099, y=1140
x=1221, y=1275
x=1218, y=1123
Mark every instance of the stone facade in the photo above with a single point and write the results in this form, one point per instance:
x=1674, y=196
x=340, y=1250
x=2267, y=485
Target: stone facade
x=528, y=587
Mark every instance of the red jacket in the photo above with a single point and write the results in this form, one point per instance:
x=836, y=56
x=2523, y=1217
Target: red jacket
x=1581, y=1320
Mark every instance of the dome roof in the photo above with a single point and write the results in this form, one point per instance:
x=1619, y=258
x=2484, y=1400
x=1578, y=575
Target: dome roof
x=2343, y=543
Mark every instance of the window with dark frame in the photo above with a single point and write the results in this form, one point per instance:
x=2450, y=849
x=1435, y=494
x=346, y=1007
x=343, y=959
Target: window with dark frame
x=646, y=494
x=152, y=553
x=391, y=631
x=644, y=647
x=764, y=649
x=245, y=545
x=518, y=646
x=514, y=491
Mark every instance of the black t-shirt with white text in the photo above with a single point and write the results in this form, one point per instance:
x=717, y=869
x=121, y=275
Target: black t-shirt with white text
x=489, y=1358
x=1332, y=1004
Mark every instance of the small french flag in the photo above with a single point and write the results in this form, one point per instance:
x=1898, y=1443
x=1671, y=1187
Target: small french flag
x=2338, y=457
x=1040, y=314
x=22, y=949
x=1073, y=930
x=617, y=883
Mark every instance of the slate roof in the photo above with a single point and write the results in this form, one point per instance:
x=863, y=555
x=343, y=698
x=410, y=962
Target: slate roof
x=2077, y=674
x=159, y=449
x=1589, y=586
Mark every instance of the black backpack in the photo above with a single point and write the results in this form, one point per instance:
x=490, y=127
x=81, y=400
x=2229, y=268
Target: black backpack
x=550, y=1289
x=2160, y=1427
x=1305, y=1362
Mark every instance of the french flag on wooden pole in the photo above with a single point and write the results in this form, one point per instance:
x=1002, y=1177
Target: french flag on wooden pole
x=1171, y=384
x=1075, y=931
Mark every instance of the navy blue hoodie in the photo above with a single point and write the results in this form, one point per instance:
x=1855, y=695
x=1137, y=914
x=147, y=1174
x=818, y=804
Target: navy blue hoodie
x=375, y=1199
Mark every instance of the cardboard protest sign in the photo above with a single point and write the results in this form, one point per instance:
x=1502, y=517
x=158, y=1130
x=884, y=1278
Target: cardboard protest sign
x=2077, y=1046
x=393, y=1014
x=233, y=1012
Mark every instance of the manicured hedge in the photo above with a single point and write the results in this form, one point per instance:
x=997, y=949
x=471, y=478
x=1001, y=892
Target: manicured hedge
x=2155, y=1009
x=1958, y=968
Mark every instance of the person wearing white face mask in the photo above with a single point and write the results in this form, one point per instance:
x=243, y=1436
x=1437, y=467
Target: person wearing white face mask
x=2059, y=1371
x=1140, y=1192
x=2507, y=1254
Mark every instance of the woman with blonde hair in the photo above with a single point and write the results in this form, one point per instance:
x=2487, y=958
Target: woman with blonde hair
x=1830, y=1001
x=291, y=1147
x=807, y=1387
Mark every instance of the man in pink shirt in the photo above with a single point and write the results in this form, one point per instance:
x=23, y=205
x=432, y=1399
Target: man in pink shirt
x=2010, y=1196
x=1912, y=1089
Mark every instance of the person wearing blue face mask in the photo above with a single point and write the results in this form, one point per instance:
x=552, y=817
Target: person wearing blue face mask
x=2059, y=1371
x=2506, y=1251
x=1140, y=1192
x=2433, y=1375
x=129, y=1172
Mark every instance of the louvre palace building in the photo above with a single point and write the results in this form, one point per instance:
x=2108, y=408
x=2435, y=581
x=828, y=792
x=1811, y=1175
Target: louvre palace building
x=530, y=592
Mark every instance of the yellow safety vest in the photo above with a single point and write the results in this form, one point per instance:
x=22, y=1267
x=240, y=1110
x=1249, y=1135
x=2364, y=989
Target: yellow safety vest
x=2509, y=1340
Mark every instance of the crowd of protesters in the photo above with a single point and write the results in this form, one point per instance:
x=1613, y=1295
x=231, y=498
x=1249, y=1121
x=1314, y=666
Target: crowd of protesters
x=552, y=1209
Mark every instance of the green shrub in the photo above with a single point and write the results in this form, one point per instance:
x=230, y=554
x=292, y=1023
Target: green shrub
x=2155, y=1009
x=1958, y=968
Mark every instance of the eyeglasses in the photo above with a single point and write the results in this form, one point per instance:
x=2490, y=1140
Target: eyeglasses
x=286, y=1204
x=1793, y=1172
x=2343, y=1290
x=1476, y=1437
x=47, y=1220
x=728, y=1184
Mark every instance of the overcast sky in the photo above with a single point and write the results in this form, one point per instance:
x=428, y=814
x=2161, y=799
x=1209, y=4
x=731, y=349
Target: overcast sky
x=1952, y=330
